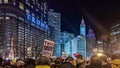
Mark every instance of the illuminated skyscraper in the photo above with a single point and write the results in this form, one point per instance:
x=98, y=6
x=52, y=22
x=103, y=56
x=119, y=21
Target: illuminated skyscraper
x=54, y=20
x=77, y=44
x=83, y=28
x=26, y=22
x=115, y=39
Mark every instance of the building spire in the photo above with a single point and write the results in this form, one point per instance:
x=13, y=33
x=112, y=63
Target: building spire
x=83, y=28
x=82, y=21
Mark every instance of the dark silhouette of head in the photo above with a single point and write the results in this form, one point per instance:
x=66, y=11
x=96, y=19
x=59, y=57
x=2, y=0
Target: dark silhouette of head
x=79, y=56
x=96, y=61
x=43, y=61
x=1, y=60
x=114, y=57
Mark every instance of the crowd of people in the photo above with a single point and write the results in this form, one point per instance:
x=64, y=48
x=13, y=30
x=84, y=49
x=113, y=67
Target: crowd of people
x=45, y=62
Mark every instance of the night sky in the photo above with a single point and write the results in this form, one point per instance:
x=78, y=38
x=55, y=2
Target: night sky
x=104, y=13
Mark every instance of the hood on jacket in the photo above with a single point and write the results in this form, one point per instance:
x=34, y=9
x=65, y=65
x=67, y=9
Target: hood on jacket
x=116, y=61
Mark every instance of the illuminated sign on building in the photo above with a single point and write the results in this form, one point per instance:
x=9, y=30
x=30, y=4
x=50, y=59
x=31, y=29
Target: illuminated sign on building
x=37, y=22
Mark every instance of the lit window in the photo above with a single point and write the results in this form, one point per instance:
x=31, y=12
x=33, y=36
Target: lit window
x=1, y=17
x=5, y=1
x=31, y=6
x=14, y=3
x=38, y=5
x=27, y=11
x=36, y=9
x=33, y=1
x=0, y=1
x=7, y=18
x=21, y=5
x=41, y=7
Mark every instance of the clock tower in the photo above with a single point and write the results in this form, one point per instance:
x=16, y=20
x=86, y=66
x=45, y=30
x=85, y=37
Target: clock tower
x=82, y=28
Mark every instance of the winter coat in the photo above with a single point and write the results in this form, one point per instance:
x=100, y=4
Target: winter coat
x=30, y=66
x=93, y=66
x=1, y=67
x=42, y=66
x=67, y=65
x=106, y=66
x=80, y=65
x=116, y=63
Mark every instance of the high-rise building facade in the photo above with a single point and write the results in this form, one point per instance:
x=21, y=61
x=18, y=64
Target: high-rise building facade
x=26, y=22
x=77, y=44
x=66, y=37
x=54, y=20
x=83, y=28
x=115, y=39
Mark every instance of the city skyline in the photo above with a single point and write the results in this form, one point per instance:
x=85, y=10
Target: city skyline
x=72, y=12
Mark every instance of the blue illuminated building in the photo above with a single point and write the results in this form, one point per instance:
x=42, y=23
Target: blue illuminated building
x=77, y=44
x=66, y=39
x=27, y=22
x=83, y=28
x=54, y=20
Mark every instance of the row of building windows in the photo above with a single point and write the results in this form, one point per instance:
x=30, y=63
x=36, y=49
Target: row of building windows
x=25, y=34
x=3, y=1
x=115, y=33
x=42, y=9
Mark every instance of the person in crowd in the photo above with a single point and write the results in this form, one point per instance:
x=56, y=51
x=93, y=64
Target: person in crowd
x=30, y=63
x=1, y=62
x=7, y=64
x=88, y=62
x=20, y=64
x=115, y=61
x=55, y=63
x=95, y=62
x=68, y=63
x=43, y=62
x=80, y=63
x=105, y=63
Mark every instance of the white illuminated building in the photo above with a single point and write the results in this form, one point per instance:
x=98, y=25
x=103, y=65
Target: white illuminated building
x=77, y=44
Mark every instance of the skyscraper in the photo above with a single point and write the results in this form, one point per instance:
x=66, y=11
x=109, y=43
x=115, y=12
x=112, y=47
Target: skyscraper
x=83, y=28
x=66, y=41
x=26, y=22
x=54, y=20
x=77, y=44
x=115, y=39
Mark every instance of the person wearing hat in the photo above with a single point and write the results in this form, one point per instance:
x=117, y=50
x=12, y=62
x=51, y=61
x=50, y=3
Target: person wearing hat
x=80, y=62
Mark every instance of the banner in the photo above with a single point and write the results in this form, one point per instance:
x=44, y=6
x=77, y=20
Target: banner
x=48, y=48
x=11, y=53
